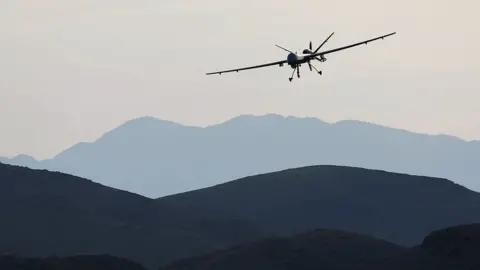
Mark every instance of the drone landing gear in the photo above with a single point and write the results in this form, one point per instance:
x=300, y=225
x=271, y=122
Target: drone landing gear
x=298, y=73
x=297, y=69
x=318, y=71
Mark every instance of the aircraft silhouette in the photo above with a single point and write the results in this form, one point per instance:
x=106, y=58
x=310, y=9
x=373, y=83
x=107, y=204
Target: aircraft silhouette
x=295, y=60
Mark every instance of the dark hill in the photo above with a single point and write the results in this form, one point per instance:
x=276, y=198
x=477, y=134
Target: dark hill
x=459, y=246
x=339, y=250
x=396, y=207
x=53, y=214
x=100, y=262
x=321, y=249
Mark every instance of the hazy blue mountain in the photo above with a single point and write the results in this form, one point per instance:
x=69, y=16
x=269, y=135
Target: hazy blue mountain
x=155, y=158
x=23, y=161
x=54, y=214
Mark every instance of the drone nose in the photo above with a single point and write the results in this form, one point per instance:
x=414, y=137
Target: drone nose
x=291, y=58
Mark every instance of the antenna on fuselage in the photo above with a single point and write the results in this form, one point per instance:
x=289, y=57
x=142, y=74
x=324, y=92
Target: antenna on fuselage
x=283, y=48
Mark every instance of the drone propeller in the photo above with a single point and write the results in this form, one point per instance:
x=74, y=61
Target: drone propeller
x=310, y=45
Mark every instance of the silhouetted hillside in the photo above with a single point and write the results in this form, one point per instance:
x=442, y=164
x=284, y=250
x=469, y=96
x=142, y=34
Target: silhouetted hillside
x=396, y=207
x=155, y=158
x=45, y=213
x=69, y=263
x=458, y=246
x=322, y=249
x=450, y=248
x=333, y=249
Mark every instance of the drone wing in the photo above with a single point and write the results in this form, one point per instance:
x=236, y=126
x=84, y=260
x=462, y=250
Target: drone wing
x=350, y=46
x=252, y=67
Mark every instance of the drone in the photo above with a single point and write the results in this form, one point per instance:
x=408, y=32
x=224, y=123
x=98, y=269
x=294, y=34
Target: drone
x=295, y=60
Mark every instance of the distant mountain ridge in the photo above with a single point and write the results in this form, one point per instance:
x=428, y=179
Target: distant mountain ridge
x=174, y=158
x=22, y=160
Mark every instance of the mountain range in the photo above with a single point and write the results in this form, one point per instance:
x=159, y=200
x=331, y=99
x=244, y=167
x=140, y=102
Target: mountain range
x=450, y=248
x=157, y=158
x=55, y=214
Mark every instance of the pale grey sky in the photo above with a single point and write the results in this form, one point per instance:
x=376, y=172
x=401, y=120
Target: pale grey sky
x=72, y=70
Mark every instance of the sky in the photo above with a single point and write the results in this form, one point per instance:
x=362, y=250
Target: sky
x=72, y=70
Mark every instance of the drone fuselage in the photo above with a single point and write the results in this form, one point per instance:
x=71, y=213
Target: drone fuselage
x=294, y=60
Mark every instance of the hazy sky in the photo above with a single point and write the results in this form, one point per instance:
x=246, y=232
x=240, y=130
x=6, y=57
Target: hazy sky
x=72, y=70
